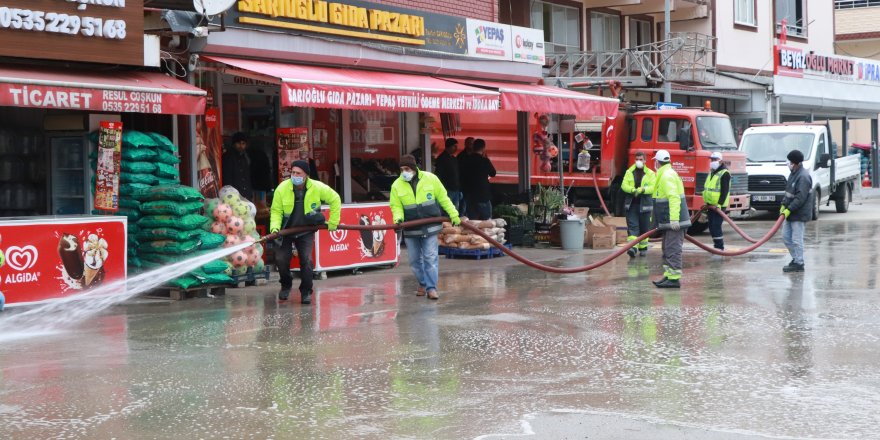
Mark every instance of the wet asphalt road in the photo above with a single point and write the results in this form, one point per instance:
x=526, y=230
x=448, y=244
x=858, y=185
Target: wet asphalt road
x=742, y=351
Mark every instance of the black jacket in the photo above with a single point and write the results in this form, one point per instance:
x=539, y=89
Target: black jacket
x=237, y=172
x=475, y=171
x=261, y=171
x=447, y=171
x=799, y=196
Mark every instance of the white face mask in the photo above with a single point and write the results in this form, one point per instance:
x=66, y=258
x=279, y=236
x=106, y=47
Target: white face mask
x=408, y=175
x=714, y=165
x=640, y=164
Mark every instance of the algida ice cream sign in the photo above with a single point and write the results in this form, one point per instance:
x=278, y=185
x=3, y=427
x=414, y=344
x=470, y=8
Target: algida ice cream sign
x=52, y=260
x=354, y=19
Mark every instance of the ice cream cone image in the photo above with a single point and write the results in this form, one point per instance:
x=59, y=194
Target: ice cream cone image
x=96, y=255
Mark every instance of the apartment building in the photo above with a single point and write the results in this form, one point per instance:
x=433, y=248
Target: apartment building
x=857, y=35
x=757, y=60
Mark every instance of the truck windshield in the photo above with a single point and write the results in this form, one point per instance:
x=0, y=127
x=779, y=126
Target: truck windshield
x=774, y=147
x=716, y=133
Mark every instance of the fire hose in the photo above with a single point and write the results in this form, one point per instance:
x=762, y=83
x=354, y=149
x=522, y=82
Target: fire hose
x=560, y=270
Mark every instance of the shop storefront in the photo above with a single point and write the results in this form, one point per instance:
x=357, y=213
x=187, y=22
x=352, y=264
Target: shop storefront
x=58, y=85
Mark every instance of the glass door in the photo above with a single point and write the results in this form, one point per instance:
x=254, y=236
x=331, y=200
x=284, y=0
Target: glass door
x=69, y=188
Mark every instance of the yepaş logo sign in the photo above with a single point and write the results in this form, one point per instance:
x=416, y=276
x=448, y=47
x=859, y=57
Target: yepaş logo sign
x=488, y=40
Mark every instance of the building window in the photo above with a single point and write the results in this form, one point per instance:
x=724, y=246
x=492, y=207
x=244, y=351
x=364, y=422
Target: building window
x=794, y=12
x=560, y=24
x=640, y=33
x=744, y=12
x=604, y=32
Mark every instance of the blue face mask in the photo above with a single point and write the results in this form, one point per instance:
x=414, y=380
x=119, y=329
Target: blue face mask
x=298, y=180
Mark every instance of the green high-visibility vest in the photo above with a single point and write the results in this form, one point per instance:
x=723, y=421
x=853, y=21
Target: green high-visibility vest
x=712, y=190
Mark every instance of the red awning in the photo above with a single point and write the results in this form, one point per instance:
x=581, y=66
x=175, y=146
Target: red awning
x=328, y=87
x=548, y=99
x=115, y=92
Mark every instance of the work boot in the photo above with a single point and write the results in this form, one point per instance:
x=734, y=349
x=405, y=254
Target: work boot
x=306, y=298
x=420, y=291
x=283, y=294
x=793, y=267
x=643, y=252
x=432, y=294
x=668, y=284
x=659, y=282
x=631, y=252
x=719, y=244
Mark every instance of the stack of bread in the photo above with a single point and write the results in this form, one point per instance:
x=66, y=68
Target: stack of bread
x=463, y=238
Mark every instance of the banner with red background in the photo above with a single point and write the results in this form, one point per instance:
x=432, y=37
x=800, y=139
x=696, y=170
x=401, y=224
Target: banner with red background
x=58, y=257
x=108, y=170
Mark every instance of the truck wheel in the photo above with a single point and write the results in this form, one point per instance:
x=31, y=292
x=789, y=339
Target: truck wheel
x=817, y=200
x=842, y=203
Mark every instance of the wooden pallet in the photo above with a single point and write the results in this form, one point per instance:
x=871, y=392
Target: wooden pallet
x=251, y=279
x=177, y=293
x=478, y=254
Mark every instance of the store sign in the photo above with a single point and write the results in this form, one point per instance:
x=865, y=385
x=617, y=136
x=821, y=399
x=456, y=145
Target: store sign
x=528, y=45
x=103, y=31
x=345, y=249
x=108, y=170
x=795, y=62
x=356, y=20
x=355, y=98
x=112, y=101
x=489, y=40
x=61, y=257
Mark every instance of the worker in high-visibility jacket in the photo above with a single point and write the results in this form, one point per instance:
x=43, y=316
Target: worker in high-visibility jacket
x=716, y=193
x=297, y=202
x=638, y=185
x=670, y=218
x=415, y=195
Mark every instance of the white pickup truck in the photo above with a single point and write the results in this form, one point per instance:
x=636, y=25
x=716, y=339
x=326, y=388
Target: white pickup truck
x=766, y=148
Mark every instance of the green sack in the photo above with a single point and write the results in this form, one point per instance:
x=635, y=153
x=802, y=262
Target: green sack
x=170, y=247
x=137, y=139
x=166, y=171
x=216, y=266
x=132, y=214
x=133, y=229
x=163, y=181
x=167, y=158
x=159, y=259
x=129, y=166
x=133, y=190
x=211, y=240
x=212, y=278
x=179, y=193
x=163, y=142
x=184, y=282
x=135, y=262
x=161, y=234
x=170, y=207
x=129, y=203
x=138, y=154
x=146, y=179
x=186, y=223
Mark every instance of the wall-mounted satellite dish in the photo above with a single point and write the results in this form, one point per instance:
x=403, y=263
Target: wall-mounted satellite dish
x=212, y=7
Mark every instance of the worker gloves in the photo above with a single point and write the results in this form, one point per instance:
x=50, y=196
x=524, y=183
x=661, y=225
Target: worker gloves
x=674, y=226
x=331, y=228
x=639, y=191
x=456, y=222
x=784, y=211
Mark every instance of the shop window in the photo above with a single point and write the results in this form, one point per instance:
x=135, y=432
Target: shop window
x=560, y=24
x=647, y=129
x=604, y=32
x=640, y=33
x=375, y=153
x=744, y=12
x=795, y=14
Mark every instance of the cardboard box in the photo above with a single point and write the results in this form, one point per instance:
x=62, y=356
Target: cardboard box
x=603, y=241
x=619, y=224
x=581, y=213
x=595, y=228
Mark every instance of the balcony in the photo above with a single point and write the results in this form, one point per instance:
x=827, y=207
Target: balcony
x=690, y=57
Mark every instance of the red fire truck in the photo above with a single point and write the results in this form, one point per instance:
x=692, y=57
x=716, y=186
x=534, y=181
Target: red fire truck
x=690, y=136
